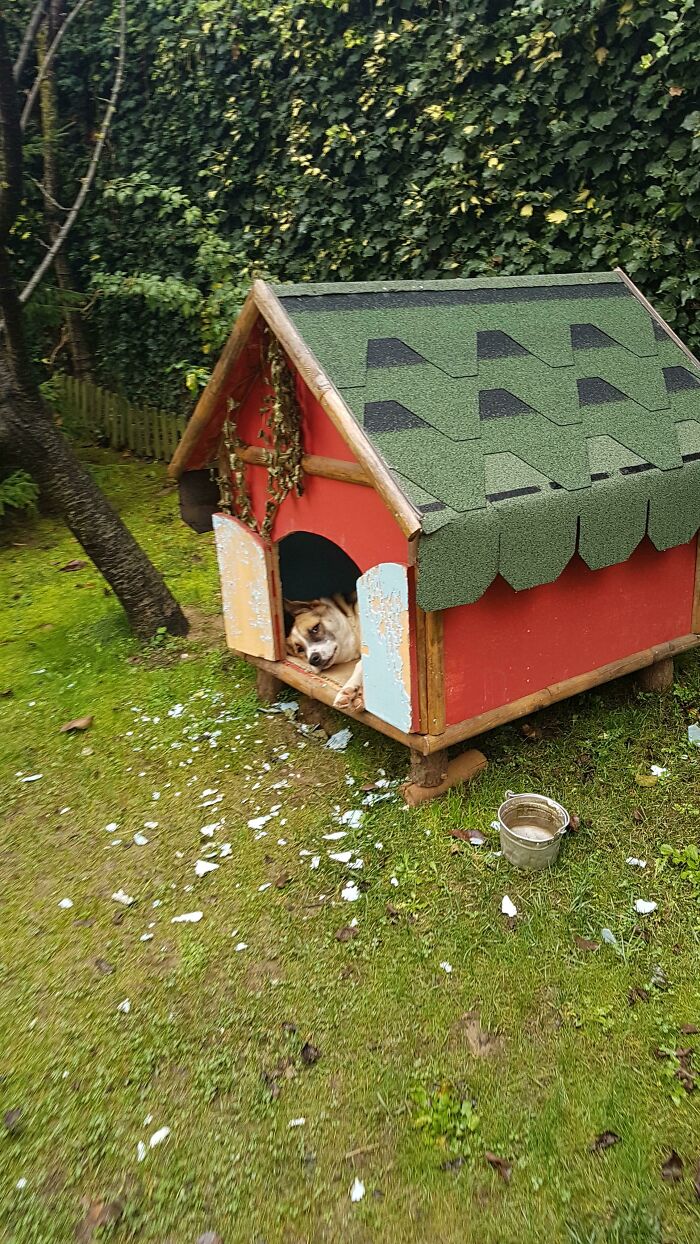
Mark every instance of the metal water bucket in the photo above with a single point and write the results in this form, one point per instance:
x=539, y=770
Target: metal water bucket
x=532, y=827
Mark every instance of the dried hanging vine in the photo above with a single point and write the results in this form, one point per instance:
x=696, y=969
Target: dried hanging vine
x=282, y=445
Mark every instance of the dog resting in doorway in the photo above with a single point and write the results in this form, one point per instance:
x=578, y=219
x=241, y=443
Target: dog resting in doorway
x=327, y=632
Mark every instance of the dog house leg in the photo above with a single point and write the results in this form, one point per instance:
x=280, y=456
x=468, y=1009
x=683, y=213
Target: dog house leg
x=268, y=687
x=657, y=677
x=433, y=775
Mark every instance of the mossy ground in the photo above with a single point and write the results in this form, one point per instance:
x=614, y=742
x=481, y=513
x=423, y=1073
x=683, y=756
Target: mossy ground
x=211, y=1046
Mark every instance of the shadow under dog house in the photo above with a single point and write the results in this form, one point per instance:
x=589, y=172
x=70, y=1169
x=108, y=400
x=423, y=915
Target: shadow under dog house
x=511, y=464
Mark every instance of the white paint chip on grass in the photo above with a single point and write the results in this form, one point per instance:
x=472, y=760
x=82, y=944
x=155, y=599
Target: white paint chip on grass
x=158, y=1137
x=508, y=907
x=111, y=827
x=297, y=1122
x=341, y=857
x=357, y=1190
x=140, y=840
x=258, y=821
x=446, y=967
x=336, y=837
x=659, y=770
x=33, y=777
x=121, y=896
x=339, y=741
x=124, y=1006
x=202, y=867
x=350, y=892
x=65, y=903
x=634, y=862
x=644, y=907
x=241, y=946
x=189, y=917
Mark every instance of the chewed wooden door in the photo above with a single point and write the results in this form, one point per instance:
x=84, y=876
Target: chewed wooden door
x=247, y=569
x=382, y=597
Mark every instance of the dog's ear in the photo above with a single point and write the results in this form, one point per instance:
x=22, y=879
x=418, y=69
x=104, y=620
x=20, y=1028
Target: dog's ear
x=295, y=607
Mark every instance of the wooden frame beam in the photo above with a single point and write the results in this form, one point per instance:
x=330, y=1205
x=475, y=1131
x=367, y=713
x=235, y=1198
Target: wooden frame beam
x=325, y=690
x=313, y=464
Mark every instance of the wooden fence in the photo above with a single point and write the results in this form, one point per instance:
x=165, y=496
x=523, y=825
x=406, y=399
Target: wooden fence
x=91, y=411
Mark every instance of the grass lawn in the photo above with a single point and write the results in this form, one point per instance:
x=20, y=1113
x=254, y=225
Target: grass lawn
x=399, y=1074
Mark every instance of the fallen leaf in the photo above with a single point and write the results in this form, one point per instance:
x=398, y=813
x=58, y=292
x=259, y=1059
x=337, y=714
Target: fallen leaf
x=637, y=994
x=78, y=723
x=310, y=1054
x=502, y=1165
x=74, y=565
x=283, y=880
x=99, y=1214
x=672, y=1168
x=585, y=943
x=347, y=933
x=104, y=967
x=574, y=823
x=11, y=1118
x=690, y=1030
x=637, y=815
x=472, y=836
x=605, y=1141
x=392, y=912
x=645, y=779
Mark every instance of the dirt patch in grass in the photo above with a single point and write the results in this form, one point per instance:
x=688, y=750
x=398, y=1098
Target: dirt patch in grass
x=468, y=1034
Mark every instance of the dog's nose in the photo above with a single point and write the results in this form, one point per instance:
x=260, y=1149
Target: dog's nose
x=315, y=658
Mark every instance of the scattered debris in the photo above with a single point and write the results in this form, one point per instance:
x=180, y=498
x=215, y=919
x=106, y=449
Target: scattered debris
x=140, y=840
x=353, y=819
x=659, y=771
x=473, y=836
x=21, y=1183
x=66, y=903
x=672, y=1168
x=103, y=967
x=502, y=1165
x=690, y=1030
x=78, y=723
x=610, y=940
x=634, y=862
x=341, y=857
x=694, y=734
x=350, y=892
x=585, y=943
x=33, y=777
x=605, y=1141
x=637, y=994
x=120, y=896
x=190, y=917
x=209, y=1237
x=574, y=823
x=357, y=1190
x=284, y=879
x=297, y=1122
x=644, y=907
x=347, y=933
x=336, y=837
x=241, y=946
x=11, y=1119
x=202, y=867
x=140, y=1151
x=158, y=1137
x=508, y=907
x=309, y=1054
x=124, y=1006
x=315, y=861
x=76, y=564
x=97, y=1214
x=339, y=741
x=446, y=967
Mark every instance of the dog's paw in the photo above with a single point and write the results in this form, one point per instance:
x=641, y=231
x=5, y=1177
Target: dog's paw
x=358, y=701
x=344, y=698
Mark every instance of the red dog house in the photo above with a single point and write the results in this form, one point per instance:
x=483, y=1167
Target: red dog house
x=509, y=468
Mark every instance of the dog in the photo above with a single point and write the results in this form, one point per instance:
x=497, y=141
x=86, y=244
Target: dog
x=326, y=632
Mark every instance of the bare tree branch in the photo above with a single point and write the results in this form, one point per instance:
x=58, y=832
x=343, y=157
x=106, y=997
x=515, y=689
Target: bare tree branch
x=11, y=145
x=29, y=36
x=92, y=167
x=32, y=96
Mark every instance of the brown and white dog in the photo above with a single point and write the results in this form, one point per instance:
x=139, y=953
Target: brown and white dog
x=327, y=632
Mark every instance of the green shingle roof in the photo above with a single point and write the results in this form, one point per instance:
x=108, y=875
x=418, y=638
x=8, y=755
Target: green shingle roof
x=526, y=418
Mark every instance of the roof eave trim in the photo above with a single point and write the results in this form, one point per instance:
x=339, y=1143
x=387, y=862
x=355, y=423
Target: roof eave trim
x=207, y=404
x=338, y=412
x=655, y=315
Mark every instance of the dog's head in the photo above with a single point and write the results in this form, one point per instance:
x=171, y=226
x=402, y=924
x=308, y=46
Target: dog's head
x=313, y=635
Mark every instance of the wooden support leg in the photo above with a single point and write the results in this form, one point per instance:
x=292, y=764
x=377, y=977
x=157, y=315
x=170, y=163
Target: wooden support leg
x=462, y=769
x=428, y=770
x=657, y=677
x=268, y=687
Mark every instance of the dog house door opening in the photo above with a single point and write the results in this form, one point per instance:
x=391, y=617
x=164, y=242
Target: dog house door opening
x=312, y=566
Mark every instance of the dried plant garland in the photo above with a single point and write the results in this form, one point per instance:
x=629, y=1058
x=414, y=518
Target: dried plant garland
x=282, y=445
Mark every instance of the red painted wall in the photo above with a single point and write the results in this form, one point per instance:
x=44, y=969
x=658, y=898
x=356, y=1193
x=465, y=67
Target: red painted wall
x=509, y=644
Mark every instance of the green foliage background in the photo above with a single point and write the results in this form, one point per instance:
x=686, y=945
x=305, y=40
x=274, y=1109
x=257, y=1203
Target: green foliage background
x=354, y=140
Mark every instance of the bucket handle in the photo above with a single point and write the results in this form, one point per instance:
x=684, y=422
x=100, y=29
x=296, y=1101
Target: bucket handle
x=511, y=794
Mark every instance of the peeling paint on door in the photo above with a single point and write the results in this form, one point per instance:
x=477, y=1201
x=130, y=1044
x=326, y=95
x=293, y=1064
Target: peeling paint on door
x=245, y=573
x=382, y=596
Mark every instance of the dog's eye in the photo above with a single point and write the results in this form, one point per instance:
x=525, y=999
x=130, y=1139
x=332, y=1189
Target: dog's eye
x=315, y=631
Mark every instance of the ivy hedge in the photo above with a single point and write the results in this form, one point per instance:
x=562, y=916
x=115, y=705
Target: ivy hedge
x=348, y=139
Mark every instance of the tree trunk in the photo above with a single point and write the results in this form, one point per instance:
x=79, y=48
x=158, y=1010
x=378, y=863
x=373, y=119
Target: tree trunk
x=77, y=340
